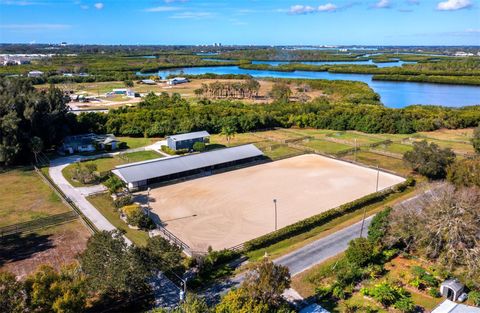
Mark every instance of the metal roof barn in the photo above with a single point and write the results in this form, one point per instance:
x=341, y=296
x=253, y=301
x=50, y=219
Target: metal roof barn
x=138, y=174
x=190, y=136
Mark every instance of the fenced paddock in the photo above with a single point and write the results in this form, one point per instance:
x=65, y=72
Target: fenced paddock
x=227, y=209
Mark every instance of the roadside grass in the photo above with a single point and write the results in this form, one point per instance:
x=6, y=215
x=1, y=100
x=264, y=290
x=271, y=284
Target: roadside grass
x=324, y=146
x=103, y=203
x=138, y=142
x=24, y=197
x=293, y=243
x=106, y=164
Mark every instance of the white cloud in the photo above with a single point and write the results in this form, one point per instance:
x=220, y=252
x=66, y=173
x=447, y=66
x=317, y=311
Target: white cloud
x=301, y=9
x=452, y=5
x=34, y=26
x=382, y=4
x=307, y=9
x=162, y=9
x=329, y=7
x=99, y=5
x=192, y=15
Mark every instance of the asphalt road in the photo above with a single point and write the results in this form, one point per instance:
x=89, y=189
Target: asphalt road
x=300, y=259
x=322, y=249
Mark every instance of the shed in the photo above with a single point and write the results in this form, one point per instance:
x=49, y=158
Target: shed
x=177, y=80
x=186, y=141
x=452, y=289
x=148, y=82
x=35, y=73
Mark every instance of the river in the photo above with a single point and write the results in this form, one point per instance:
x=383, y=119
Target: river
x=393, y=94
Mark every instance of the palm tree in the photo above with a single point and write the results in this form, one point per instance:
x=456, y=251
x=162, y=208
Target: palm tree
x=229, y=132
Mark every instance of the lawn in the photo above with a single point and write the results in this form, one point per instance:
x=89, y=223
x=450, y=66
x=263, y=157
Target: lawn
x=463, y=135
x=397, y=148
x=238, y=139
x=25, y=196
x=275, y=150
x=324, y=146
x=137, y=142
x=384, y=162
x=350, y=137
x=108, y=163
x=279, y=135
x=103, y=203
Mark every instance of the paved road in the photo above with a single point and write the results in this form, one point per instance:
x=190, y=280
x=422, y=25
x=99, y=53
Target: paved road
x=322, y=249
x=299, y=260
x=55, y=171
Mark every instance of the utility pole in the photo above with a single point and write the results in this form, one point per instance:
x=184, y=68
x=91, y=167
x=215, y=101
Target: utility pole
x=275, y=204
x=365, y=208
x=355, y=152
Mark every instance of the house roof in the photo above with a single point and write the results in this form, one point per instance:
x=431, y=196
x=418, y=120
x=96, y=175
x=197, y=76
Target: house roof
x=453, y=284
x=140, y=171
x=148, y=81
x=448, y=306
x=178, y=78
x=189, y=136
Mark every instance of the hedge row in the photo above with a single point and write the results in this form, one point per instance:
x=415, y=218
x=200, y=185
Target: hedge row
x=322, y=218
x=170, y=151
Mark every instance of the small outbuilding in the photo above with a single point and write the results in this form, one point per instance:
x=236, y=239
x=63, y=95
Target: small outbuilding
x=452, y=289
x=35, y=74
x=148, y=82
x=186, y=141
x=177, y=81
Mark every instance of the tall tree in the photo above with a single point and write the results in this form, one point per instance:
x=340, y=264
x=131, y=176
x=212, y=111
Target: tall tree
x=429, y=159
x=476, y=139
x=12, y=294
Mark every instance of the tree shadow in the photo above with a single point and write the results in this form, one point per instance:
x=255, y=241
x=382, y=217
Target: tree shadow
x=19, y=247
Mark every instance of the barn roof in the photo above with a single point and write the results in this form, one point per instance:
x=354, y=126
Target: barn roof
x=141, y=171
x=448, y=306
x=189, y=136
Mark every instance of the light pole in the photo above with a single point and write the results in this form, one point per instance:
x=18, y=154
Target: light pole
x=365, y=208
x=275, y=204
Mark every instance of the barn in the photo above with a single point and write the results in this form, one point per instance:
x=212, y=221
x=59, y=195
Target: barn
x=186, y=141
x=141, y=174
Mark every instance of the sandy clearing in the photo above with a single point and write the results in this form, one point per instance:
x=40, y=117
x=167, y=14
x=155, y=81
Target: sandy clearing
x=228, y=209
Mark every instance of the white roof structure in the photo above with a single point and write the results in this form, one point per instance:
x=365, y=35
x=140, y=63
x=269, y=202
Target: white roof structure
x=448, y=306
x=141, y=171
x=189, y=136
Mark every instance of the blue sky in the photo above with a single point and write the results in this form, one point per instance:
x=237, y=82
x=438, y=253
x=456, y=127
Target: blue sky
x=273, y=22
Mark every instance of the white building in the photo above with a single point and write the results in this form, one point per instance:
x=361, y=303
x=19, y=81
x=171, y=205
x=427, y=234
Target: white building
x=448, y=306
x=177, y=80
x=35, y=74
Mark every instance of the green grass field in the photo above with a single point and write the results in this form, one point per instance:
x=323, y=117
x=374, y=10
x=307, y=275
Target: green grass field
x=108, y=163
x=384, y=162
x=137, y=142
x=25, y=196
x=397, y=148
x=325, y=146
x=103, y=203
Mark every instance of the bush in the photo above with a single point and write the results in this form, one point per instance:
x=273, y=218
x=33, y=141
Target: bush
x=405, y=305
x=433, y=292
x=360, y=252
x=122, y=201
x=199, y=146
x=85, y=172
x=474, y=296
x=386, y=293
x=319, y=219
x=429, y=159
x=114, y=184
x=170, y=151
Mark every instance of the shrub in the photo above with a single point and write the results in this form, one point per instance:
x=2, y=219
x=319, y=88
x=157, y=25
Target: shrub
x=114, y=184
x=85, y=172
x=199, y=146
x=405, y=305
x=122, y=201
x=323, y=292
x=474, y=296
x=319, y=219
x=360, y=252
x=429, y=159
x=170, y=151
x=378, y=226
x=386, y=293
x=433, y=292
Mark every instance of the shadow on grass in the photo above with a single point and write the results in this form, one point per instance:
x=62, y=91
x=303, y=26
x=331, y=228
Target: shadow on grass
x=19, y=247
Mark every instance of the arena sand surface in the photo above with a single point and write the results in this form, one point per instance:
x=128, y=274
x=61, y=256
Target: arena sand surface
x=228, y=209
